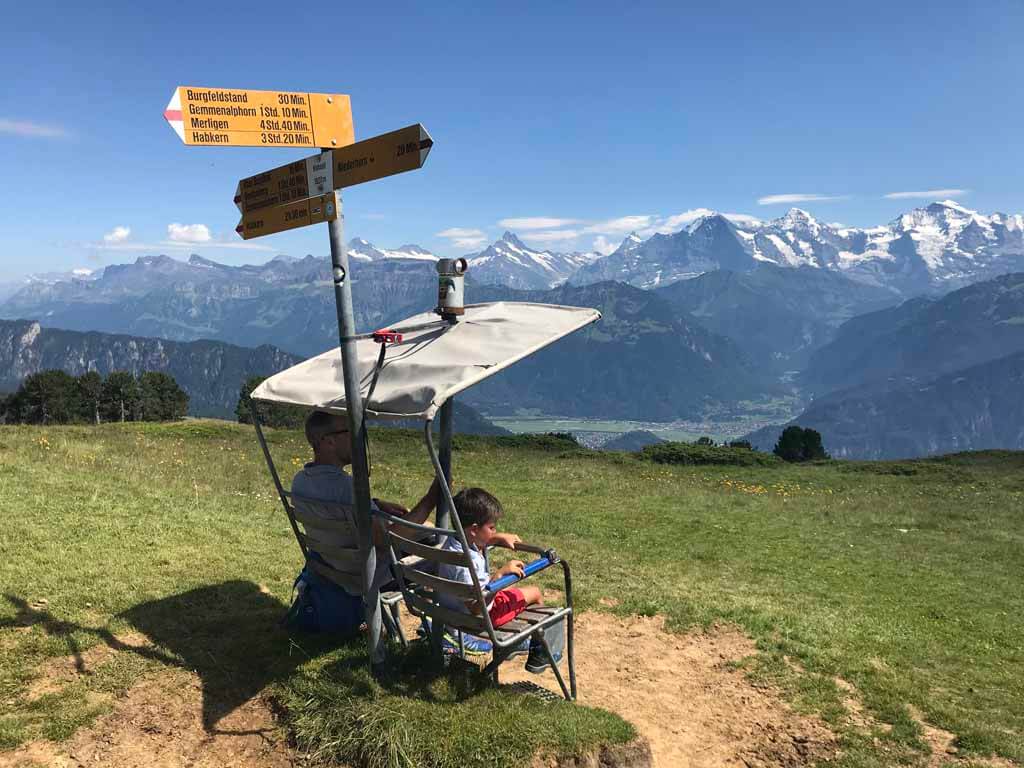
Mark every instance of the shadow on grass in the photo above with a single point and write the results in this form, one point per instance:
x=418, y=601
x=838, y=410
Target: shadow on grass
x=228, y=634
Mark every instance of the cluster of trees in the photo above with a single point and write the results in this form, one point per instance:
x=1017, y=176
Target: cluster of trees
x=799, y=444
x=271, y=414
x=56, y=397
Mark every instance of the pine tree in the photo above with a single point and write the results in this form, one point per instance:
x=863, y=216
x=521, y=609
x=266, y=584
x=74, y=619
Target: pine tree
x=791, y=444
x=89, y=388
x=160, y=397
x=119, y=396
x=47, y=397
x=813, y=448
x=799, y=444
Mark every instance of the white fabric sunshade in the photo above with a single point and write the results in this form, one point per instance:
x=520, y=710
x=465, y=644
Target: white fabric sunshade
x=430, y=364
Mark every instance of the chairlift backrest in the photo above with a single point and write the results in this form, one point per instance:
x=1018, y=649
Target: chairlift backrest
x=329, y=529
x=425, y=591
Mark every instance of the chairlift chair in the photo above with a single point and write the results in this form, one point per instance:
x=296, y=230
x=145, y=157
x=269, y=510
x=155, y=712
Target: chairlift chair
x=427, y=361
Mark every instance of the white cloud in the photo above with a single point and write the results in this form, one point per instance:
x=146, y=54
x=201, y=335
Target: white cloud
x=463, y=237
x=188, y=233
x=460, y=232
x=669, y=224
x=686, y=217
x=743, y=219
x=623, y=225
x=117, y=235
x=34, y=130
x=536, y=222
x=797, y=197
x=554, y=236
x=932, y=194
x=603, y=245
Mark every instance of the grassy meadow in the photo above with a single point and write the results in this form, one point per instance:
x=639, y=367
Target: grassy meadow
x=906, y=580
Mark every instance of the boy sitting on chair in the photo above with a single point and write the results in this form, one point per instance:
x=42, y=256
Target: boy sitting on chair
x=478, y=512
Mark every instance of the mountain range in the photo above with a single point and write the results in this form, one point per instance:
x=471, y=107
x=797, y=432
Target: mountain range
x=926, y=377
x=287, y=302
x=971, y=409
x=928, y=250
x=510, y=262
x=777, y=316
x=643, y=361
x=922, y=339
x=211, y=372
x=721, y=311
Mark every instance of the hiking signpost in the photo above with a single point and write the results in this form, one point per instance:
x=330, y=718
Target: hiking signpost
x=396, y=152
x=228, y=117
x=298, y=194
x=280, y=218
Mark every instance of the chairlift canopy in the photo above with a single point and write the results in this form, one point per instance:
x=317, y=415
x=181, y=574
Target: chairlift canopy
x=434, y=361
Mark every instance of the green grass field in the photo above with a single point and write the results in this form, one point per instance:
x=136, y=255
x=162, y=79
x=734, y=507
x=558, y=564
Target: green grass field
x=904, y=579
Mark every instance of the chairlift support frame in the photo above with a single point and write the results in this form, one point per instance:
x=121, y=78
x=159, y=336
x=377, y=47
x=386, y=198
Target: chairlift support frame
x=497, y=334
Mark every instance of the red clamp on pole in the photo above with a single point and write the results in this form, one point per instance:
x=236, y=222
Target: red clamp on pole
x=387, y=336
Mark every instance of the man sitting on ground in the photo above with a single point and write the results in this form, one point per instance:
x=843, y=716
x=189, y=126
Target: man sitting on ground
x=325, y=479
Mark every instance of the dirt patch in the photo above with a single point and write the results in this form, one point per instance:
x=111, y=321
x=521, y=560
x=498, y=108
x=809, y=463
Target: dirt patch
x=159, y=725
x=943, y=746
x=635, y=754
x=859, y=717
x=682, y=694
x=56, y=674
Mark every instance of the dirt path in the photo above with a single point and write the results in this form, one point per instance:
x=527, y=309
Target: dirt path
x=680, y=691
x=682, y=694
x=159, y=725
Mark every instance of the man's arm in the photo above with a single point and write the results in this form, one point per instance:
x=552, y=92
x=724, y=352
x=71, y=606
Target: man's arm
x=418, y=514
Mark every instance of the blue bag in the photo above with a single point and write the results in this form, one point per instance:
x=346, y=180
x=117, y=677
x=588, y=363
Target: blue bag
x=322, y=606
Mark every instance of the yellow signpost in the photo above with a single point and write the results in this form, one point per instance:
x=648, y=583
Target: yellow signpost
x=279, y=218
x=403, y=150
x=229, y=117
x=303, y=193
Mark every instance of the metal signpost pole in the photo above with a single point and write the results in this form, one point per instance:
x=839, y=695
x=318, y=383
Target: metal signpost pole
x=354, y=404
x=445, y=456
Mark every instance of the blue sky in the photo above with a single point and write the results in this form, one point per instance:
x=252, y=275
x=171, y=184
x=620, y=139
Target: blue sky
x=576, y=121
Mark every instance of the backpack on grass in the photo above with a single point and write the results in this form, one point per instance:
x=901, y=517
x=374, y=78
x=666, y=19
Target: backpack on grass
x=322, y=606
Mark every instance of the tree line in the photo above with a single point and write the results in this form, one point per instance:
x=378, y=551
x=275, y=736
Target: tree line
x=57, y=397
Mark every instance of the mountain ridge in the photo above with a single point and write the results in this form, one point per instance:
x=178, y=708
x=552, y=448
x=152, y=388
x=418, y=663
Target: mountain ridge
x=940, y=247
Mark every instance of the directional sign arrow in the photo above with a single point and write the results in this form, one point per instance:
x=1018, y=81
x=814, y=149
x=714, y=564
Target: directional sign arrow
x=403, y=150
x=229, y=117
x=295, y=181
x=279, y=218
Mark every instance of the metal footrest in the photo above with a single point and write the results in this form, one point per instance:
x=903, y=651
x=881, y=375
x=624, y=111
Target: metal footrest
x=532, y=689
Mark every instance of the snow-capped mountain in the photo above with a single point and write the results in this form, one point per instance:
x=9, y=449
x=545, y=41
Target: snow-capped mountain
x=708, y=243
x=937, y=248
x=512, y=263
x=941, y=247
x=362, y=250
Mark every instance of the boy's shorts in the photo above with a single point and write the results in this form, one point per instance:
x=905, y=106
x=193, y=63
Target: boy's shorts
x=508, y=604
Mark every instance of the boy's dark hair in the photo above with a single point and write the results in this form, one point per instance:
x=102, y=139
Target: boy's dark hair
x=475, y=506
